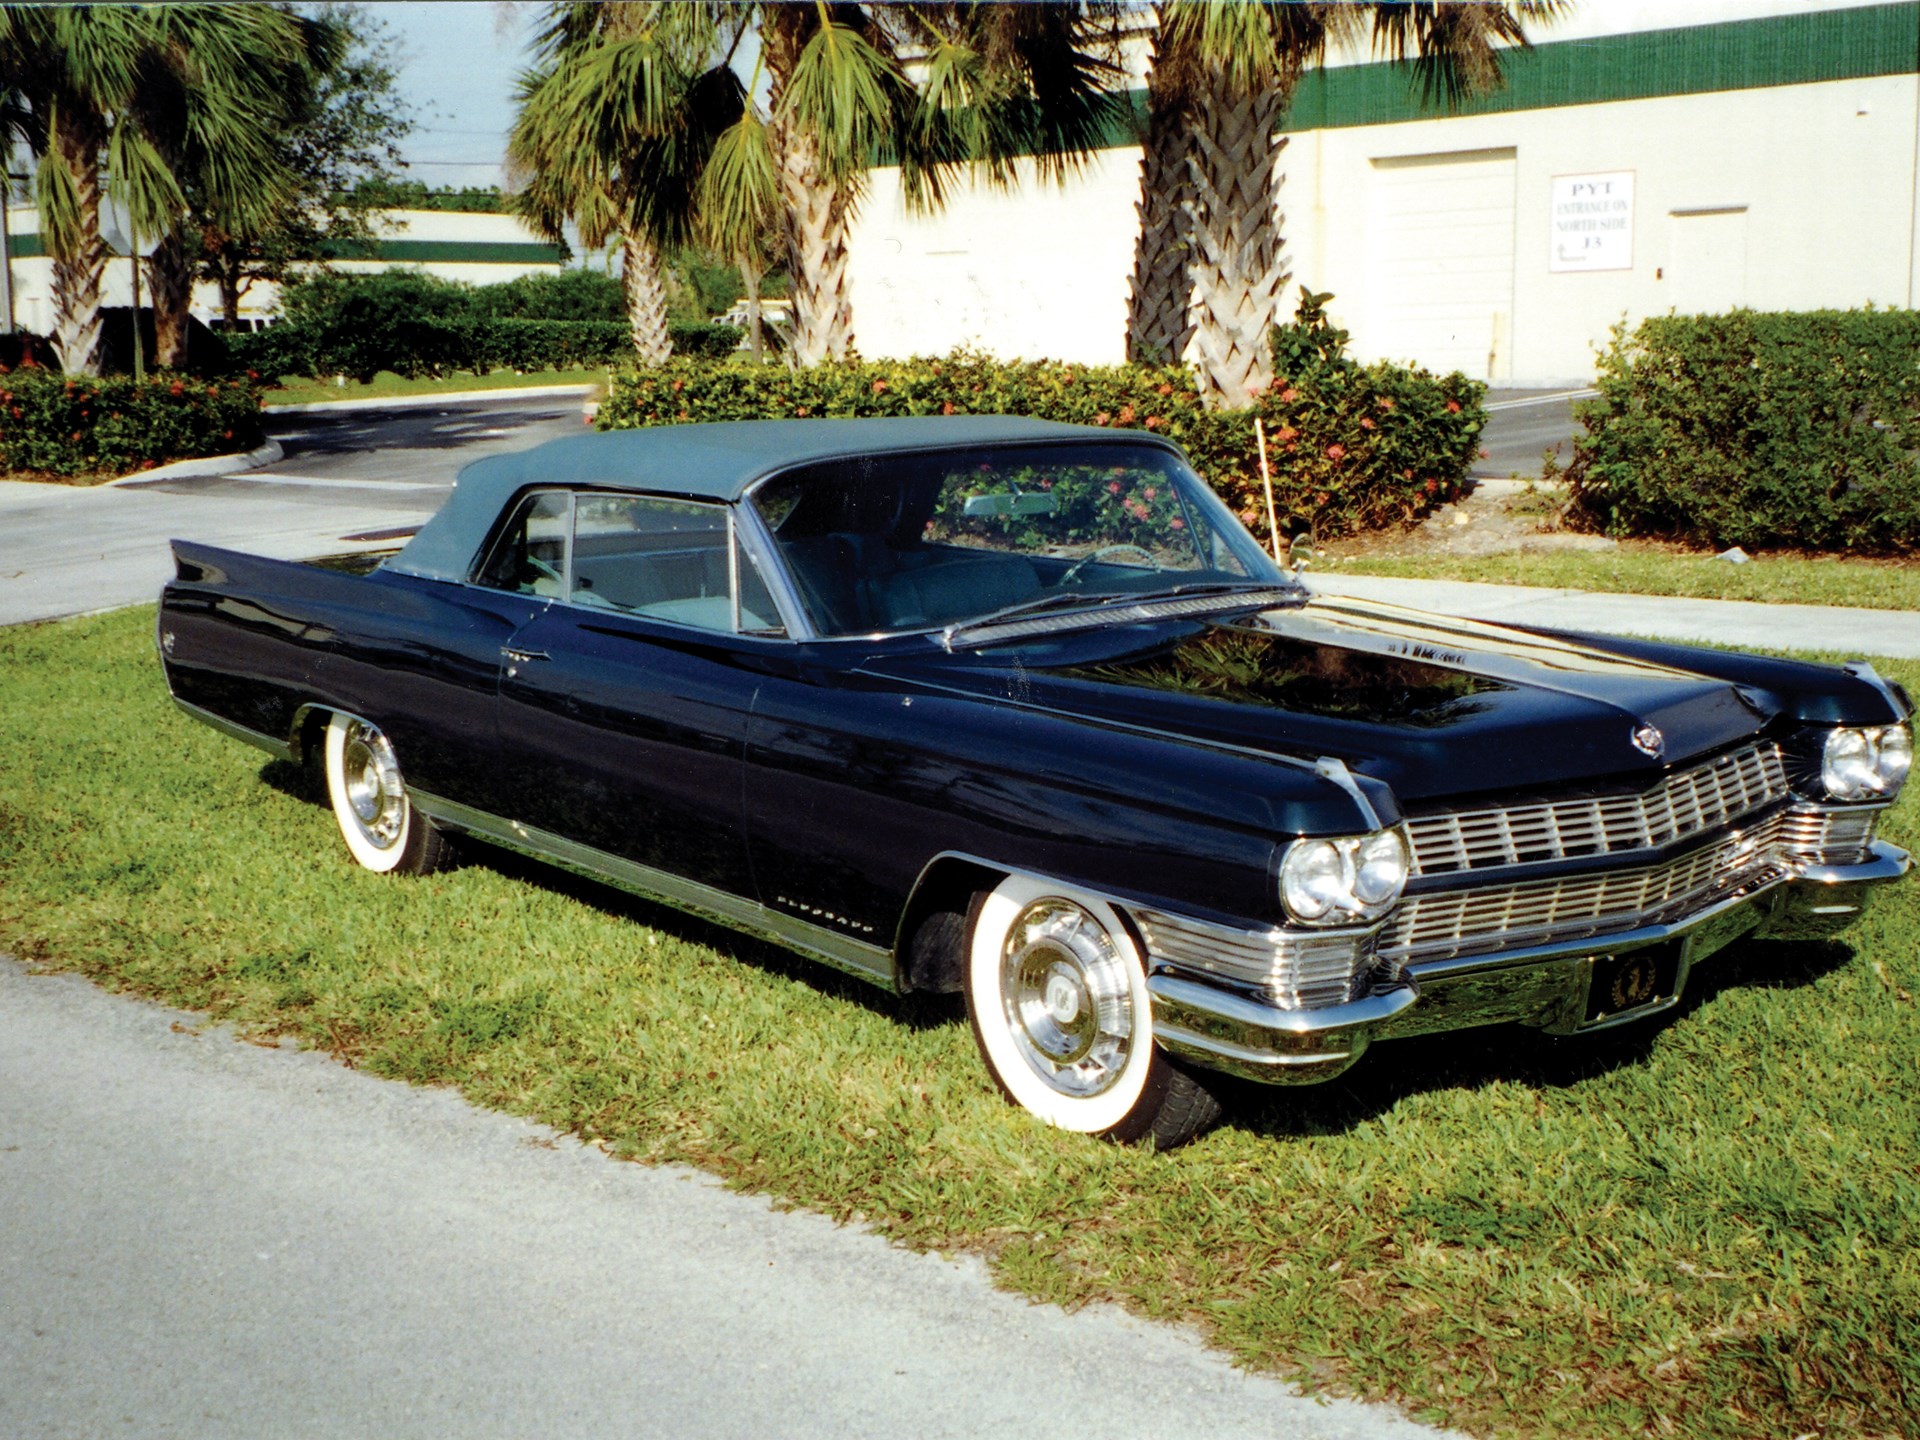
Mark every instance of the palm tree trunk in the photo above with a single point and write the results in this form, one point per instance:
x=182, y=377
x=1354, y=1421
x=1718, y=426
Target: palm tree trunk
x=170, y=280
x=80, y=264
x=756, y=332
x=1236, y=265
x=815, y=220
x=646, y=299
x=1160, y=303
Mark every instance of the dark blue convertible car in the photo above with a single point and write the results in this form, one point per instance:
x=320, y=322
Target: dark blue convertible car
x=1019, y=710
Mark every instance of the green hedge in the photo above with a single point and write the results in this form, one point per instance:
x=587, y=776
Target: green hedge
x=434, y=345
x=1757, y=430
x=58, y=425
x=1351, y=446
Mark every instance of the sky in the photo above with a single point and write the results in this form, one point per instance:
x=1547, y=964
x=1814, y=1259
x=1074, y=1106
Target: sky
x=458, y=60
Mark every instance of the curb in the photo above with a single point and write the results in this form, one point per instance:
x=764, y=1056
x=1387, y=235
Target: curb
x=419, y=402
x=268, y=454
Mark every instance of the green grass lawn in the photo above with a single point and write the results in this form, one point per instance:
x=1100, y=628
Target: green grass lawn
x=1706, y=1227
x=1822, y=581
x=387, y=385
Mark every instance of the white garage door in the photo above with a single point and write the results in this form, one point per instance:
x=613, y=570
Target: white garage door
x=1441, y=261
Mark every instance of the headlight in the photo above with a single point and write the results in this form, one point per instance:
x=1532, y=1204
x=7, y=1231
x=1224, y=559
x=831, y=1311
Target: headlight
x=1339, y=881
x=1866, y=764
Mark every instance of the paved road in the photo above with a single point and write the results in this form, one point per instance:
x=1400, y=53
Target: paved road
x=203, y=1239
x=1522, y=425
x=66, y=550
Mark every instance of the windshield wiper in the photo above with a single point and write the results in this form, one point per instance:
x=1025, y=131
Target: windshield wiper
x=1101, y=603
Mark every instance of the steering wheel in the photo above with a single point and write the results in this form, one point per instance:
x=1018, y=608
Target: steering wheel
x=1073, y=570
x=543, y=571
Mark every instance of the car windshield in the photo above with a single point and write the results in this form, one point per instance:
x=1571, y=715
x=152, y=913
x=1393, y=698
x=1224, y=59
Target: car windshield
x=911, y=542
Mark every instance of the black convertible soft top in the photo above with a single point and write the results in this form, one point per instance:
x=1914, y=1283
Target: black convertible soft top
x=702, y=462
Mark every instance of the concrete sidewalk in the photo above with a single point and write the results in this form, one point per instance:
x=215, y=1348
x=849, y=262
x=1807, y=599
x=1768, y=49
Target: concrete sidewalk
x=1730, y=624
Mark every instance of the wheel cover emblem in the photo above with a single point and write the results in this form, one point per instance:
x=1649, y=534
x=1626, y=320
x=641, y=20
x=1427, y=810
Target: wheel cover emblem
x=1065, y=994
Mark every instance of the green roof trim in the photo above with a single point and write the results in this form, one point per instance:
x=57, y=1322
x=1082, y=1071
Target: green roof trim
x=1803, y=49
x=449, y=252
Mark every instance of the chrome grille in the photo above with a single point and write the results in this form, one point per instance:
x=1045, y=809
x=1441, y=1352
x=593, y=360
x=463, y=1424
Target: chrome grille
x=1296, y=971
x=1812, y=836
x=1506, y=916
x=1685, y=804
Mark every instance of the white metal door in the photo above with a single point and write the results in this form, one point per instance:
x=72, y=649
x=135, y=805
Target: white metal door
x=1441, y=261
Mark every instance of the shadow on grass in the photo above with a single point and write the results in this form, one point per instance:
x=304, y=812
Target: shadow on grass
x=1470, y=1060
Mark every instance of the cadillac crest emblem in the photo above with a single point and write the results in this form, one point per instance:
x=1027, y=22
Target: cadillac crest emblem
x=1648, y=740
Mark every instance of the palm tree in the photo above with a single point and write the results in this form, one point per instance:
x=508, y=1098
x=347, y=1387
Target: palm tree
x=222, y=84
x=998, y=82
x=111, y=99
x=1208, y=266
x=613, y=130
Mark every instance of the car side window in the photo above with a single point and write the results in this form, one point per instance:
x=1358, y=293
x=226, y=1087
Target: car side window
x=530, y=556
x=670, y=559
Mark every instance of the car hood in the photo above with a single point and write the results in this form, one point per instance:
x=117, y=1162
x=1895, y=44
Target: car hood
x=1432, y=705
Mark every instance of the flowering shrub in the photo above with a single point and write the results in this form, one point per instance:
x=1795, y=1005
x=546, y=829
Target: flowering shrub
x=1759, y=430
x=1351, y=446
x=68, y=425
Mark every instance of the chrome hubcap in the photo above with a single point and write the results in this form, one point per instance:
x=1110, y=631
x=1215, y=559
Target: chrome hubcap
x=372, y=776
x=1063, y=983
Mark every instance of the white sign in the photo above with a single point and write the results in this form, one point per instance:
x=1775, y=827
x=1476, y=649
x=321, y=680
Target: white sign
x=1592, y=222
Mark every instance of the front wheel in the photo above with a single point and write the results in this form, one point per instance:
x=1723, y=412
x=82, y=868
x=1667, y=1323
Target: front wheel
x=1057, y=998
x=382, y=829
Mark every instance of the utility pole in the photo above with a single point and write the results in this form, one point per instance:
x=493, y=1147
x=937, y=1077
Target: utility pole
x=6, y=241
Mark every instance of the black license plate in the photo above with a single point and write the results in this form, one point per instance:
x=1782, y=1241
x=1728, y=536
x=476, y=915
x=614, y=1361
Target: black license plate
x=1625, y=983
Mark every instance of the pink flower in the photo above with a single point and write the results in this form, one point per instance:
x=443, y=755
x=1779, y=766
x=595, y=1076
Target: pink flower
x=1336, y=451
x=879, y=387
x=1149, y=492
x=1176, y=523
x=1289, y=395
x=1113, y=487
x=1366, y=424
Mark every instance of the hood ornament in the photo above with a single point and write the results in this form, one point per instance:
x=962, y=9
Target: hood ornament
x=1648, y=740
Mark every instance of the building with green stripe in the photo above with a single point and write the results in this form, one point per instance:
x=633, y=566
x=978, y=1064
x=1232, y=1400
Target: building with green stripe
x=1644, y=156
x=479, y=249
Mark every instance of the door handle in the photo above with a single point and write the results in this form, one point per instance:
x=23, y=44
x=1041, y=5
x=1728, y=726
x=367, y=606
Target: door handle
x=513, y=654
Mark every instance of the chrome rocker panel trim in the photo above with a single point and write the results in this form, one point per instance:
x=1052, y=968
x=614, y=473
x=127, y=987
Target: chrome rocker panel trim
x=1544, y=986
x=279, y=749
x=869, y=962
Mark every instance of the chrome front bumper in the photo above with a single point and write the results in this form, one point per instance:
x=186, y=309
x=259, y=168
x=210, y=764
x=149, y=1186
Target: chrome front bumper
x=1544, y=986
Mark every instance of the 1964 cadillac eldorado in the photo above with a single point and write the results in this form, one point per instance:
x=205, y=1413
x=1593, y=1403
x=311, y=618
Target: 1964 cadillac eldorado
x=1018, y=709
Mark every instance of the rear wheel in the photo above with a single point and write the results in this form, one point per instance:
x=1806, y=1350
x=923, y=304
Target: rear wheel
x=1057, y=997
x=382, y=829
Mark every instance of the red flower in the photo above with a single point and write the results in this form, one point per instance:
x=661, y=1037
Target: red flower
x=176, y=388
x=1336, y=451
x=1126, y=414
x=1113, y=486
x=1285, y=432
x=1154, y=422
x=1289, y=395
x=1102, y=418
x=1365, y=424
x=75, y=435
x=1322, y=498
x=1453, y=407
x=1176, y=523
x=946, y=407
x=1485, y=454
x=1430, y=486
x=253, y=374
x=1164, y=390
x=879, y=387
x=1386, y=402
x=213, y=390
x=678, y=386
x=1149, y=492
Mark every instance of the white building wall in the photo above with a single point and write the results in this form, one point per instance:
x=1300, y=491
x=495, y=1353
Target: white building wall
x=1788, y=197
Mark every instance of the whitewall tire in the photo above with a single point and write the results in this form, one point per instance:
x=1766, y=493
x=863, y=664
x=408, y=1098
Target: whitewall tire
x=1057, y=997
x=382, y=829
